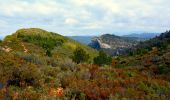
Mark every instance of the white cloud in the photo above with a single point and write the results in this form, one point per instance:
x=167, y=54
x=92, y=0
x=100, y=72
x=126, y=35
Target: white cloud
x=85, y=16
x=70, y=21
x=15, y=7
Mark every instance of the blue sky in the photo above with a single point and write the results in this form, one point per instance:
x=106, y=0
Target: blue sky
x=85, y=17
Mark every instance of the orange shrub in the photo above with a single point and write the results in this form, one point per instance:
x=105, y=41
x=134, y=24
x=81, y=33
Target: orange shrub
x=56, y=92
x=15, y=96
x=60, y=91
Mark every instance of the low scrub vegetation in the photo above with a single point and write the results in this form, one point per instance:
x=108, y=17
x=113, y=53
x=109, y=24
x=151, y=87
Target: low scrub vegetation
x=77, y=75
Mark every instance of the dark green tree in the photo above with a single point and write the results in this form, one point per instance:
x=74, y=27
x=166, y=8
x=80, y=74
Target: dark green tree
x=102, y=59
x=80, y=55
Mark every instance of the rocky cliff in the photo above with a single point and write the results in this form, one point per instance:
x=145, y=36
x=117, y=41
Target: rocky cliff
x=112, y=44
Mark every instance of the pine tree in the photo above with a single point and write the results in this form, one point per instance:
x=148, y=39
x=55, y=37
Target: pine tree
x=102, y=59
x=80, y=55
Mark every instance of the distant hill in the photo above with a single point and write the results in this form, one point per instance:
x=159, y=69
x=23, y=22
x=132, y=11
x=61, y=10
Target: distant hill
x=82, y=39
x=142, y=36
x=112, y=44
x=119, y=45
x=160, y=41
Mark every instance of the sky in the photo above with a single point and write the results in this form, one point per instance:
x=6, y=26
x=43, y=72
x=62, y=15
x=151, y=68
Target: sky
x=85, y=17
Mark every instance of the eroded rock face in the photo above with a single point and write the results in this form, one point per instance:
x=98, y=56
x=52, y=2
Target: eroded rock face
x=98, y=44
x=112, y=44
x=95, y=44
x=103, y=45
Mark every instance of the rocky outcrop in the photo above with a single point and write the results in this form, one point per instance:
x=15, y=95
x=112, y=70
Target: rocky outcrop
x=98, y=44
x=112, y=44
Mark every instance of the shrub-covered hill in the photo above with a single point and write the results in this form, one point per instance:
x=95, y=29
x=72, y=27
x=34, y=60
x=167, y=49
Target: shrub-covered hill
x=34, y=57
x=43, y=43
x=30, y=71
x=161, y=42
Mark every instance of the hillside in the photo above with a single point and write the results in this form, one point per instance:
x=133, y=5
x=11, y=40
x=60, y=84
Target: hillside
x=41, y=42
x=36, y=65
x=160, y=41
x=112, y=44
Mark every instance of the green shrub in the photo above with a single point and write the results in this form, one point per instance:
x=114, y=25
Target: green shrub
x=102, y=59
x=80, y=55
x=51, y=71
x=163, y=69
x=32, y=58
x=140, y=51
x=67, y=64
x=120, y=66
x=130, y=74
x=47, y=43
x=31, y=74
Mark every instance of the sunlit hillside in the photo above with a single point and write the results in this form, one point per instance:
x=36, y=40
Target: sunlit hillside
x=36, y=64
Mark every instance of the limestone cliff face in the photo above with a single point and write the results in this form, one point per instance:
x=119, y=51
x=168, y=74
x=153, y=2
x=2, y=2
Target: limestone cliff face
x=112, y=44
x=98, y=44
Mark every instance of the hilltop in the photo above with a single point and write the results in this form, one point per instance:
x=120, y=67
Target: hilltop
x=42, y=43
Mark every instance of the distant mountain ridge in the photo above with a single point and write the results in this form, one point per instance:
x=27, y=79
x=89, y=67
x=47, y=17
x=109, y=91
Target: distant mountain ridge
x=144, y=36
x=82, y=39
